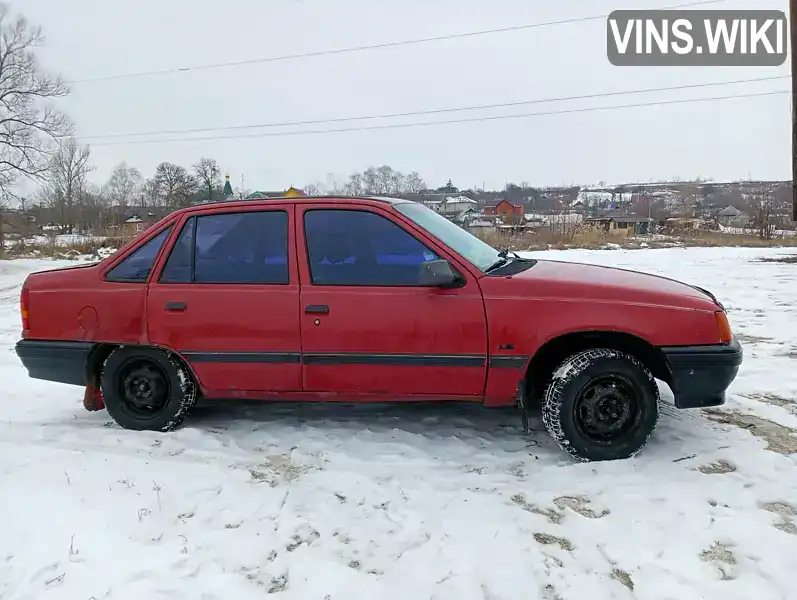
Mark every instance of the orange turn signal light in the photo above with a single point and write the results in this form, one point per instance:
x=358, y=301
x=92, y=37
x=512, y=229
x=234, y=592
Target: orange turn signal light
x=726, y=335
x=24, y=302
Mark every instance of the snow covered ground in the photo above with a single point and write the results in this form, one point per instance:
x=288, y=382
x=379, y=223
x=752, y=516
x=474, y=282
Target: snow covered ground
x=411, y=502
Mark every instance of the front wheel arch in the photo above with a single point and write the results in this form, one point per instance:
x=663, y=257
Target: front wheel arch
x=555, y=350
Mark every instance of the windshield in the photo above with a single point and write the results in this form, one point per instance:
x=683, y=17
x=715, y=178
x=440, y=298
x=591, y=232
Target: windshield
x=469, y=246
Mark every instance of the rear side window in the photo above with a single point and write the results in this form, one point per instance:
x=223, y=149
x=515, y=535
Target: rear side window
x=248, y=247
x=136, y=267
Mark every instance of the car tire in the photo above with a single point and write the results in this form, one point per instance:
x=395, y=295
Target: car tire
x=146, y=389
x=601, y=404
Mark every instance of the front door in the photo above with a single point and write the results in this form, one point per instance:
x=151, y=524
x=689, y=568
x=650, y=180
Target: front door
x=367, y=326
x=227, y=299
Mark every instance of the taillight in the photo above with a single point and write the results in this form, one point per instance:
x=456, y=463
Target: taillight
x=24, y=309
x=726, y=335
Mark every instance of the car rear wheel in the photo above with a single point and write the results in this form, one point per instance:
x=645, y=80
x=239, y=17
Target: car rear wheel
x=601, y=404
x=147, y=389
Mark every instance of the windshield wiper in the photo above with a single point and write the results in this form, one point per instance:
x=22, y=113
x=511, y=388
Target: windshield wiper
x=503, y=258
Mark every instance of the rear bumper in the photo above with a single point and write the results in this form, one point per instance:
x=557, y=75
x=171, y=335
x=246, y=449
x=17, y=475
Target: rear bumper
x=62, y=362
x=701, y=374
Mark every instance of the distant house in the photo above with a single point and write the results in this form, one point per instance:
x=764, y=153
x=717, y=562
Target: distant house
x=466, y=216
x=685, y=223
x=580, y=205
x=621, y=224
x=730, y=216
x=451, y=206
x=510, y=213
x=291, y=192
x=135, y=224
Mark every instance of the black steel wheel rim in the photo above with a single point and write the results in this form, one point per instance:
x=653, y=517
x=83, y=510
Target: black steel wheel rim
x=607, y=408
x=143, y=387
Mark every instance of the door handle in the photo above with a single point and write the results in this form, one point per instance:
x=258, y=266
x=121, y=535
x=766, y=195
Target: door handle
x=176, y=306
x=320, y=309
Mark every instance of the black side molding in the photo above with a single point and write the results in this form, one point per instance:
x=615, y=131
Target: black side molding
x=61, y=362
x=242, y=357
x=508, y=362
x=65, y=362
x=358, y=358
x=409, y=360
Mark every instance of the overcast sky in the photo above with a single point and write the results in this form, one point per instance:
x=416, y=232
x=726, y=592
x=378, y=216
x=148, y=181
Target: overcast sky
x=739, y=138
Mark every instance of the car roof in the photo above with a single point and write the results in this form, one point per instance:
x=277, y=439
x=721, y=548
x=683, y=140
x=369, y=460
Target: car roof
x=296, y=200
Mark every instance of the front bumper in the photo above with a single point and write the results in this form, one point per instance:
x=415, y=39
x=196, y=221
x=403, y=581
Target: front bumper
x=62, y=362
x=701, y=374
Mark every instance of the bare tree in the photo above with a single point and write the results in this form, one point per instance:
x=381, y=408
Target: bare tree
x=383, y=180
x=313, y=189
x=208, y=176
x=767, y=212
x=354, y=185
x=29, y=125
x=66, y=180
x=413, y=183
x=94, y=204
x=564, y=224
x=241, y=193
x=124, y=185
x=175, y=185
x=3, y=207
x=150, y=193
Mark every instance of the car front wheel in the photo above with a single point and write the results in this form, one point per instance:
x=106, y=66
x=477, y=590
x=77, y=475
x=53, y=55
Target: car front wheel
x=147, y=389
x=601, y=404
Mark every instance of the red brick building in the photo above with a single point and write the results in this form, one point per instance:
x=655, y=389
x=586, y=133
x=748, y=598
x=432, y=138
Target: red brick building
x=510, y=213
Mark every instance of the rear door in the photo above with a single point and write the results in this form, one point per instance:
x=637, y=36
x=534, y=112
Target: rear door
x=367, y=326
x=227, y=299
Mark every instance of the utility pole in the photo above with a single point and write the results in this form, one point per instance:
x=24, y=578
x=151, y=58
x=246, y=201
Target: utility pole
x=793, y=36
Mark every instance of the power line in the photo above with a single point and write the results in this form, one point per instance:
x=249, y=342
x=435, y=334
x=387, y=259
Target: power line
x=440, y=38
x=429, y=112
x=449, y=122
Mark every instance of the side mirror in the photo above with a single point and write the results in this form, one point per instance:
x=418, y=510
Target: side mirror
x=438, y=273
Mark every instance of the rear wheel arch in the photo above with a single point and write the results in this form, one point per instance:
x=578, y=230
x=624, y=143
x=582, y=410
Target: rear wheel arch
x=100, y=353
x=147, y=388
x=97, y=357
x=556, y=350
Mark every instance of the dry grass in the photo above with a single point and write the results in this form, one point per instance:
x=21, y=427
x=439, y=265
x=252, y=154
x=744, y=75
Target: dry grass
x=782, y=259
x=544, y=238
x=595, y=239
x=779, y=438
x=51, y=249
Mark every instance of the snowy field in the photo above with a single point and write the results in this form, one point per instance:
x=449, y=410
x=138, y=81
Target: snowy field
x=343, y=502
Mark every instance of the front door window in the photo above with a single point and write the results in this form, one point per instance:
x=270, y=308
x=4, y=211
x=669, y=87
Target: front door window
x=359, y=248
